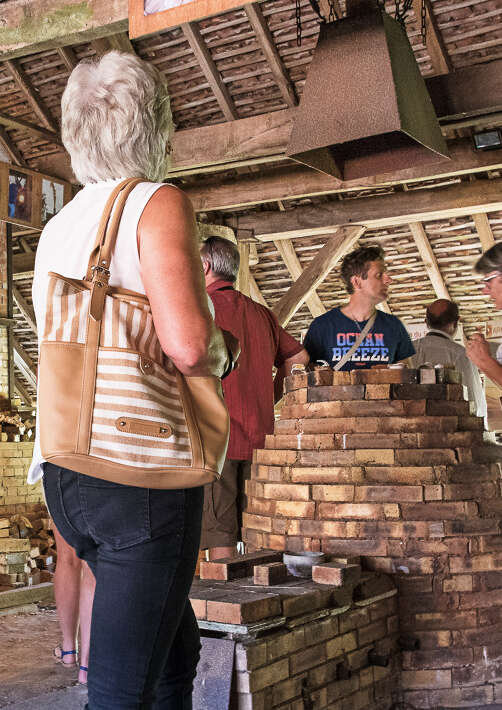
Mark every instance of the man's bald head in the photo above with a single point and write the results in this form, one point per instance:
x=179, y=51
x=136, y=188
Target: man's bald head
x=442, y=315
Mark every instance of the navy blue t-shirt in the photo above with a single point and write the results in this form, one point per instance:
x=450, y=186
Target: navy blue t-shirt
x=331, y=335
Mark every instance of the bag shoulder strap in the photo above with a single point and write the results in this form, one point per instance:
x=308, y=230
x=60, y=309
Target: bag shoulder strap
x=106, y=235
x=357, y=342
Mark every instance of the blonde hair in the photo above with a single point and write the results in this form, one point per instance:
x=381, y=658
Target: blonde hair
x=116, y=119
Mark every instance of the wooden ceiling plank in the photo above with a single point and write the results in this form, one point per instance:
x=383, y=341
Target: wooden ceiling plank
x=287, y=251
x=315, y=273
x=203, y=56
x=23, y=82
x=398, y=208
x=21, y=125
x=8, y=145
x=23, y=263
x=266, y=41
x=436, y=49
x=484, y=230
x=429, y=260
x=69, y=57
x=26, y=310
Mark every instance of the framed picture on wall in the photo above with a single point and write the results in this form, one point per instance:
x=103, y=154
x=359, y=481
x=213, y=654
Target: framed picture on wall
x=20, y=199
x=52, y=199
x=149, y=16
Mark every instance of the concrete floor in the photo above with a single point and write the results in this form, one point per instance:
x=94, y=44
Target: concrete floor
x=30, y=678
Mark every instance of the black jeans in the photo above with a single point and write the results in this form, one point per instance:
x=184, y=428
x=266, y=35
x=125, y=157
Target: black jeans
x=142, y=546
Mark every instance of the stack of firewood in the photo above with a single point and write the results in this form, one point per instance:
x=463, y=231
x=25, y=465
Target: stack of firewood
x=27, y=549
x=13, y=428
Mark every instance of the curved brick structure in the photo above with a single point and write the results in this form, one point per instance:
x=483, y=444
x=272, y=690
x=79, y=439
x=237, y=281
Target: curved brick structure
x=370, y=463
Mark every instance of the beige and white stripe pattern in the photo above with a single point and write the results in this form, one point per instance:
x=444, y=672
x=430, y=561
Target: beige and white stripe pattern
x=122, y=390
x=66, y=313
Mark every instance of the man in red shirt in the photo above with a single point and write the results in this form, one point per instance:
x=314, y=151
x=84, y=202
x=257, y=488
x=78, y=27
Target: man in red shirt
x=250, y=391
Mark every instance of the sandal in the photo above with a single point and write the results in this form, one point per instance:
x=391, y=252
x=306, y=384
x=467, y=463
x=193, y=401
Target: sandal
x=83, y=669
x=59, y=654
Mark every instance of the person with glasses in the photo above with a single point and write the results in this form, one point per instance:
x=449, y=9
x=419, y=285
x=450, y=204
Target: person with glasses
x=478, y=348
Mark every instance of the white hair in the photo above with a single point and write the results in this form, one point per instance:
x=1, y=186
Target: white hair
x=116, y=119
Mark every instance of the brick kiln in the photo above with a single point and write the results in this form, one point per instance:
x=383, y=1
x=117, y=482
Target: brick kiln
x=371, y=463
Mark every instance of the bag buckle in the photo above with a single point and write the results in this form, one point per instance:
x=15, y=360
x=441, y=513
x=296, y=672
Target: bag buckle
x=100, y=270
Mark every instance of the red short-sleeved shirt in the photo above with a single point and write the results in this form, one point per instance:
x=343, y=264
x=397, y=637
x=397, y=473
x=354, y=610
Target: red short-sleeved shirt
x=249, y=390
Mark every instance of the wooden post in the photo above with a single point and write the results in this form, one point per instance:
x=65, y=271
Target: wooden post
x=242, y=283
x=6, y=358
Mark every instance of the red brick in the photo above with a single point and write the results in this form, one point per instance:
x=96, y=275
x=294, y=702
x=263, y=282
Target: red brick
x=287, y=426
x=327, y=474
x=440, y=621
x=429, y=680
x=295, y=397
x=478, y=600
x=389, y=493
x=491, y=508
x=339, y=425
x=446, y=409
x=377, y=392
x=307, y=658
x=400, y=474
x=273, y=457
x=415, y=391
x=341, y=378
x=294, y=509
x=385, y=457
x=326, y=458
x=451, y=439
x=257, y=522
x=433, y=492
x=323, y=377
x=269, y=574
x=470, y=423
x=308, y=601
x=418, y=424
x=354, y=547
x=322, y=528
x=299, y=441
x=469, y=472
x=333, y=493
x=353, y=619
x=465, y=491
x=436, y=511
x=294, y=382
x=370, y=441
x=336, y=574
x=286, y=491
x=337, y=393
x=471, y=527
x=360, y=511
x=260, y=506
x=402, y=529
x=377, y=376
x=415, y=457
x=244, y=608
x=236, y=567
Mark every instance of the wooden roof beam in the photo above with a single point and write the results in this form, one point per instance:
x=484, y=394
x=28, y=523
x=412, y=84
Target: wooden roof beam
x=8, y=145
x=315, y=273
x=121, y=42
x=24, y=83
x=266, y=41
x=30, y=26
x=69, y=57
x=436, y=48
x=203, y=56
x=242, y=282
x=254, y=291
x=466, y=198
x=23, y=392
x=287, y=251
x=26, y=310
x=484, y=231
x=21, y=125
x=429, y=260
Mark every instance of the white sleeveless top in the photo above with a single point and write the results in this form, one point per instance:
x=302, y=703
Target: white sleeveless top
x=65, y=246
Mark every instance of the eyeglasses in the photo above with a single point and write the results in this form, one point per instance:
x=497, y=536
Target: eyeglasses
x=492, y=276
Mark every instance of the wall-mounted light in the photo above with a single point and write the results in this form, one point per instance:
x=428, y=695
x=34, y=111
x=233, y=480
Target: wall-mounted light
x=488, y=140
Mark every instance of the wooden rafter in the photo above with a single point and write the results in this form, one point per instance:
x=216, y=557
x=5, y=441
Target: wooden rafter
x=287, y=251
x=21, y=125
x=68, y=56
x=315, y=273
x=23, y=392
x=254, y=291
x=484, y=231
x=429, y=260
x=398, y=208
x=203, y=55
x=24, y=363
x=434, y=44
x=121, y=42
x=26, y=310
x=8, y=145
x=324, y=6
x=242, y=283
x=266, y=41
x=24, y=83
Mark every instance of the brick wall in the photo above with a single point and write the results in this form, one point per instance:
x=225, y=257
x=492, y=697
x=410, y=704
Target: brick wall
x=16, y=495
x=373, y=464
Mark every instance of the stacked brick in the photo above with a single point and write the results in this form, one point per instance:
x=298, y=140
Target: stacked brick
x=371, y=463
x=301, y=644
x=16, y=495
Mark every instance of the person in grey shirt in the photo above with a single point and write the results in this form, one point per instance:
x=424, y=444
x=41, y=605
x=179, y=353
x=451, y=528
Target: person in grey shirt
x=439, y=348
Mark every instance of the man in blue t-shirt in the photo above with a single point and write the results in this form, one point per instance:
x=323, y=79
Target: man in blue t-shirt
x=331, y=335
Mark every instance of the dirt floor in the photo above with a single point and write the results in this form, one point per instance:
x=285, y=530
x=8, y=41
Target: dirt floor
x=30, y=677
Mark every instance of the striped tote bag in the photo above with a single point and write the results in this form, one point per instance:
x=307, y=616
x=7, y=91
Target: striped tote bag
x=111, y=403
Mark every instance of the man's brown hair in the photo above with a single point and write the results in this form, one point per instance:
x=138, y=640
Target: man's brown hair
x=357, y=263
x=441, y=313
